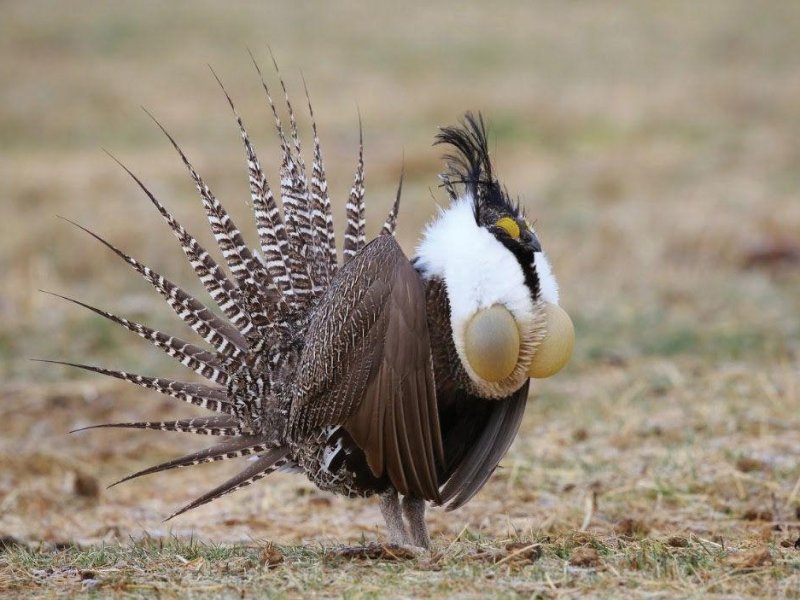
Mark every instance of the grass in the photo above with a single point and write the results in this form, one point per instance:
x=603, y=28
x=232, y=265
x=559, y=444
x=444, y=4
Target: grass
x=656, y=148
x=542, y=565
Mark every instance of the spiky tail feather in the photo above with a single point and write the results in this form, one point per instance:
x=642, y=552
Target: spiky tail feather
x=234, y=448
x=299, y=261
x=354, y=234
x=220, y=425
x=269, y=462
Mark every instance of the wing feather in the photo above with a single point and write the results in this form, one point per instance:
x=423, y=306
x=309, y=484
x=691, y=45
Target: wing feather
x=485, y=453
x=367, y=367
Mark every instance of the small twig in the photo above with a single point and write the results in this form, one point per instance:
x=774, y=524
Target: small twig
x=794, y=493
x=516, y=553
x=458, y=537
x=590, y=505
x=703, y=543
x=550, y=582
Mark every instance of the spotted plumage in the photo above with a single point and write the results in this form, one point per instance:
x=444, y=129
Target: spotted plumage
x=355, y=373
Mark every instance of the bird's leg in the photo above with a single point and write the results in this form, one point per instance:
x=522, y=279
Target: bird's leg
x=414, y=511
x=390, y=509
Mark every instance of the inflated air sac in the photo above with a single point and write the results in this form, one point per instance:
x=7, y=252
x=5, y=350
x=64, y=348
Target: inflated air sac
x=491, y=343
x=555, y=349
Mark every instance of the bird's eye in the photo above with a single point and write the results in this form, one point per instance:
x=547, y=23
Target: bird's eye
x=510, y=226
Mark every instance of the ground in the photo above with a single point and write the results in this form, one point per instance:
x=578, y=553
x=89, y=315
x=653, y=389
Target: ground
x=656, y=147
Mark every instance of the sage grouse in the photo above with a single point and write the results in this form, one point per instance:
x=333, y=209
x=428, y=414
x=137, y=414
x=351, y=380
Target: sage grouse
x=378, y=375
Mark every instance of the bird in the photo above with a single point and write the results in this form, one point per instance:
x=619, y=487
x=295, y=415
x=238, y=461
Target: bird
x=373, y=375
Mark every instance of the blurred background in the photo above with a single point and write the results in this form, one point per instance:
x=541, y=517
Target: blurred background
x=656, y=145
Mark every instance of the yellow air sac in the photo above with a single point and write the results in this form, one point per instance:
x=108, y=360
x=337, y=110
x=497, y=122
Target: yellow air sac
x=555, y=349
x=491, y=343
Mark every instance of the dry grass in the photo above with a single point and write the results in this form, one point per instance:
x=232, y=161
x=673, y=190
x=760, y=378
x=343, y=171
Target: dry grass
x=656, y=147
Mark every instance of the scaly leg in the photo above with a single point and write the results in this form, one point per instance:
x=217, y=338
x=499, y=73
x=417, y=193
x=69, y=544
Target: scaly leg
x=414, y=511
x=390, y=509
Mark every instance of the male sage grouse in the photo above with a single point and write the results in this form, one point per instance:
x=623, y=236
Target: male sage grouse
x=376, y=375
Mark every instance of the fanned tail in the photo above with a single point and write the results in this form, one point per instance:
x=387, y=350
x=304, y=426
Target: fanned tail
x=246, y=269
x=261, y=297
x=211, y=275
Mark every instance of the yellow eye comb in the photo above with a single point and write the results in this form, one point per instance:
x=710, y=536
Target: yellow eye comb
x=510, y=226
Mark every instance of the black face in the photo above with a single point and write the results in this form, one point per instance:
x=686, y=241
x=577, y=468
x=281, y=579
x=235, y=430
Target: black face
x=471, y=167
x=516, y=235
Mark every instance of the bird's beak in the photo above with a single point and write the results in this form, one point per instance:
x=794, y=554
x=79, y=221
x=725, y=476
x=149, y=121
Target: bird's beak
x=555, y=349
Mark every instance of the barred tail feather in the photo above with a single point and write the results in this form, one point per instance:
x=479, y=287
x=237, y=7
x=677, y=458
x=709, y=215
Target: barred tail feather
x=293, y=198
x=240, y=446
x=209, y=365
x=225, y=338
x=325, y=261
x=391, y=220
x=269, y=462
x=219, y=425
x=211, y=275
x=214, y=399
x=292, y=124
x=246, y=269
x=269, y=222
x=354, y=235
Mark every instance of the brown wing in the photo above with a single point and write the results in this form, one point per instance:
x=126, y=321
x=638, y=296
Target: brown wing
x=367, y=366
x=476, y=458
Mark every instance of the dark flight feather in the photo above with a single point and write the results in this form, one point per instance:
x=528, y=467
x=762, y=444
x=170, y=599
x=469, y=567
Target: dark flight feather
x=376, y=377
x=485, y=452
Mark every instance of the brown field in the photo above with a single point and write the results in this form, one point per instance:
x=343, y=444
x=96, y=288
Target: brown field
x=657, y=145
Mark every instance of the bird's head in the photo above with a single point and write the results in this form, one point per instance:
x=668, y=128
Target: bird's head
x=506, y=323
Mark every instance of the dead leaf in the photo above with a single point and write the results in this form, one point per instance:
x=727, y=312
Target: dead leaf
x=751, y=560
x=772, y=252
x=523, y=552
x=376, y=551
x=271, y=557
x=756, y=514
x=677, y=541
x=319, y=501
x=748, y=465
x=86, y=486
x=632, y=528
x=585, y=557
x=580, y=435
